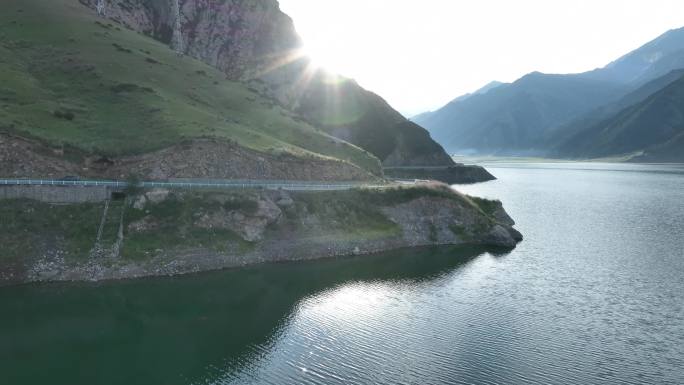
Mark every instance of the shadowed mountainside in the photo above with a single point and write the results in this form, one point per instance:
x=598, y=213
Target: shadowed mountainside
x=653, y=127
x=512, y=119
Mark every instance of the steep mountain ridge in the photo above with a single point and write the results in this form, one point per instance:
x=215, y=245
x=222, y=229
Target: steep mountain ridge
x=650, y=61
x=254, y=42
x=480, y=91
x=81, y=87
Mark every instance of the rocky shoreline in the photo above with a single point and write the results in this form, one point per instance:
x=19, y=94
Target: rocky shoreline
x=456, y=174
x=170, y=233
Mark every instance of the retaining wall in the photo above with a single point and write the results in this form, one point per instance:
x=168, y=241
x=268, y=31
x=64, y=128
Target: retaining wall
x=57, y=194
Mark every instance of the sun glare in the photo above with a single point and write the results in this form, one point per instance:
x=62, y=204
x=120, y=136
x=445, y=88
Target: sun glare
x=325, y=58
x=329, y=42
x=421, y=54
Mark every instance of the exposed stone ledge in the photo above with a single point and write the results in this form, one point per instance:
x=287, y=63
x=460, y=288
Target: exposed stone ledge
x=273, y=226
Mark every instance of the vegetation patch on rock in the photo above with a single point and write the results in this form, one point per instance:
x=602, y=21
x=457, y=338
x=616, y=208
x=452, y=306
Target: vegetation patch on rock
x=172, y=232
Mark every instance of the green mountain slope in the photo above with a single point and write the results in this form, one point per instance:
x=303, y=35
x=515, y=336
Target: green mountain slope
x=70, y=78
x=653, y=128
x=254, y=42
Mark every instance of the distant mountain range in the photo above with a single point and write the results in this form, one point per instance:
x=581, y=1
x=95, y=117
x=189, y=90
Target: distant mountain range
x=489, y=86
x=632, y=107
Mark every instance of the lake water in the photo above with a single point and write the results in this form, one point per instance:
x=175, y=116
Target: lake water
x=593, y=295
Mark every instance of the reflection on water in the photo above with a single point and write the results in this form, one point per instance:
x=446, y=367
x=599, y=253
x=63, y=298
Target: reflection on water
x=674, y=168
x=366, y=330
x=196, y=328
x=591, y=296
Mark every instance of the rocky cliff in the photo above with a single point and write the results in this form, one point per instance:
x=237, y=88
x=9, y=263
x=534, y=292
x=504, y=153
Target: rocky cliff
x=236, y=36
x=163, y=232
x=253, y=41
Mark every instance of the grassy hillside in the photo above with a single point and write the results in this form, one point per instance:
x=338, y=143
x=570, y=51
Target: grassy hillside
x=654, y=127
x=70, y=78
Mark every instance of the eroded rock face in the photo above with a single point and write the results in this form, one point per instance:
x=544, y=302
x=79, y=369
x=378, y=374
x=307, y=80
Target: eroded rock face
x=235, y=36
x=139, y=202
x=500, y=236
x=284, y=200
x=429, y=220
x=502, y=216
x=157, y=195
x=249, y=225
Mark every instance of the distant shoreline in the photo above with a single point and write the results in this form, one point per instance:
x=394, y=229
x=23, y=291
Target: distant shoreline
x=513, y=159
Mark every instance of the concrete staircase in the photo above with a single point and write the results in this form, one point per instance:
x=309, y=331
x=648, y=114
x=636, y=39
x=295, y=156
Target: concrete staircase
x=109, y=237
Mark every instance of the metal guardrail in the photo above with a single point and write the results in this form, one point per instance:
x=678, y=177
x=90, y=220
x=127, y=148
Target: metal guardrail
x=457, y=165
x=190, y=184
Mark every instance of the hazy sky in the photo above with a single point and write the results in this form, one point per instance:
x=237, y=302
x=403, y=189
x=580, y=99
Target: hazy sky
x=420, y=54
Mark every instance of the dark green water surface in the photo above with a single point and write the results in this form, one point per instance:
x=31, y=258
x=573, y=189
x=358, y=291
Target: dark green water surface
x=594, y=295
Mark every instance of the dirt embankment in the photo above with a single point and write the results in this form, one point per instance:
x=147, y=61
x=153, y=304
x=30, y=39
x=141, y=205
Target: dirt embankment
x=199, y=158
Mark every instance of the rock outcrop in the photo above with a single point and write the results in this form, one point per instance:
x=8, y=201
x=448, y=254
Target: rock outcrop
x=250, y=226
x=175, y=232
x=459, y=174
x=447, y=222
